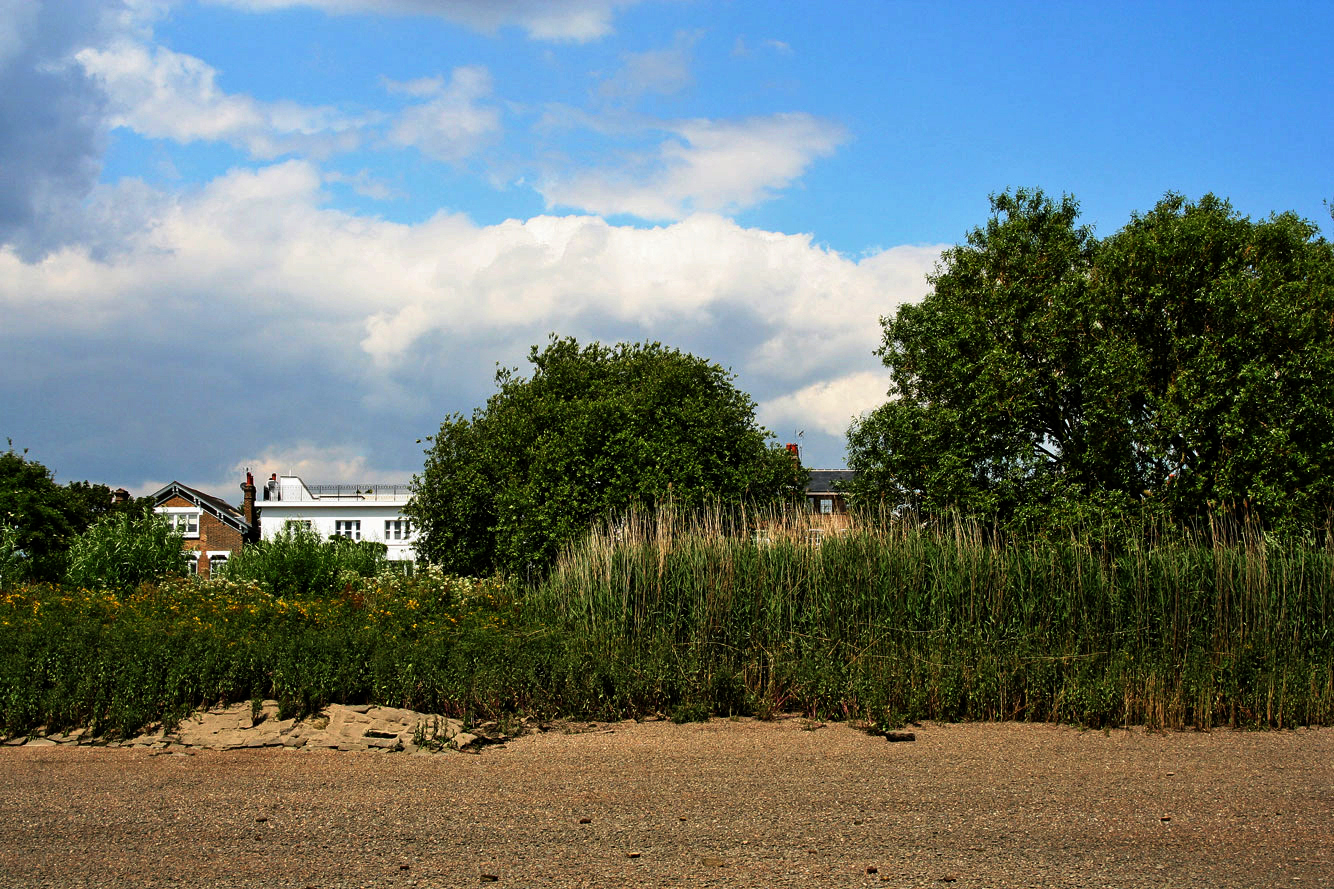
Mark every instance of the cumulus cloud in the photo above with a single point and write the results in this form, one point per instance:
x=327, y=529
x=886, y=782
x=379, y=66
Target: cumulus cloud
x=563, y=20
x=299, y=317
x=319, y=463
x=51, y=129
x=708, y=165
x=452, y=124
x=827, y=406
x=169, y=95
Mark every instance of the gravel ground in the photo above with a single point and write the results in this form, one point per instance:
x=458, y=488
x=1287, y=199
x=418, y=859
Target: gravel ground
x=727, y=803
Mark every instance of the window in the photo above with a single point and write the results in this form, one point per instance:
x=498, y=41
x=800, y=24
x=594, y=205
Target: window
x=216, y=562
x=349, y=528
x=191, y=561
x=397, y=529
x=293, y=525
x=826, y=506
x=182, y=520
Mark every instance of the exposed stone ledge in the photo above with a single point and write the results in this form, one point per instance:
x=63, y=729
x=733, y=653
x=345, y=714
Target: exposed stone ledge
x=336, y=727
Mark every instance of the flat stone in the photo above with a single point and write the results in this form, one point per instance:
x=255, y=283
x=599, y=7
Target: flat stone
x=463, y=741
x=41, y=742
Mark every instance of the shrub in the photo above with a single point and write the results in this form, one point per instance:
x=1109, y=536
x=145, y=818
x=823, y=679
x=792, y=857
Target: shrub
x=123, y=550
x=298, y=563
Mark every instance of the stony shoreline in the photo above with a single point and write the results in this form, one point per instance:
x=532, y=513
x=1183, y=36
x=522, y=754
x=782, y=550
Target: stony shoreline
x=354, y=727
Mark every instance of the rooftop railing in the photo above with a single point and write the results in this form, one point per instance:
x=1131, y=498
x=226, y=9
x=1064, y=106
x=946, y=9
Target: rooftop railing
x=336, y=492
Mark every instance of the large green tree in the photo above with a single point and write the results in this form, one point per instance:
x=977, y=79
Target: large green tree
x=1183, y=365
x=594, y=430
x=39, y=518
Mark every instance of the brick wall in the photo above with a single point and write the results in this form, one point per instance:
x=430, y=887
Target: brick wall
x=213, y=535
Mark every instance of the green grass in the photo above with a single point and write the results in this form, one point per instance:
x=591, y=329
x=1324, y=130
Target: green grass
x=689, y=617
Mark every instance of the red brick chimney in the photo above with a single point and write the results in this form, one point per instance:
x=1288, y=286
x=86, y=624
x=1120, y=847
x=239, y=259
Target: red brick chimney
x=248, y=501
x=794, y=452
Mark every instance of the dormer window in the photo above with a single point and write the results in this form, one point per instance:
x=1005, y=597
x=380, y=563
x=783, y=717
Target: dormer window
x=181, y=519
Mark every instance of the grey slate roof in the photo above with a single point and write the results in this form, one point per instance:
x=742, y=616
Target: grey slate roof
x=829, y=481
x=220, y=508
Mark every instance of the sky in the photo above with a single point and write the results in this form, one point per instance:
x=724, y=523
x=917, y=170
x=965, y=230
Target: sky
x=296, y=235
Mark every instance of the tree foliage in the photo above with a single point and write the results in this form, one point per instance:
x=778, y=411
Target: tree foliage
x=44, y=517
x=1182, y=366
x=594, y=430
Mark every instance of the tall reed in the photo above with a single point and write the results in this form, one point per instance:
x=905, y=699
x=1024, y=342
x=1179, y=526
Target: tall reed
x=891, y=621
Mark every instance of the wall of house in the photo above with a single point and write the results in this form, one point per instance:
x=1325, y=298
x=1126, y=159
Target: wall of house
x=323, y=518
x=215, y=536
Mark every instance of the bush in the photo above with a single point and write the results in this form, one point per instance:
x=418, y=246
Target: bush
x=123, y=550
x=298, y=563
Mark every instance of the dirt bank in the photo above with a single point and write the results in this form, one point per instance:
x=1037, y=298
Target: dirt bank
x=727, y=803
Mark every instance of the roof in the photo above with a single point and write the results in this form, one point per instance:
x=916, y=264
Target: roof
x=216, y=506
x=829, y=481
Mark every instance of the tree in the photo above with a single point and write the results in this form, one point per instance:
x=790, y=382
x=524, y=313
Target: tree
x=594, y=431
x=40, y=512
x=1181, y=366
x=45, y=517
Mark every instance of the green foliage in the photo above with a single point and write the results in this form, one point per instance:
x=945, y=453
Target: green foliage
x=297, y=562
x=685, y=616
x=46, y=517
x=40, y=512
x=889, y=623
x=593, y=431
x=13, y=565
x=122, y=550
x=1182, y=367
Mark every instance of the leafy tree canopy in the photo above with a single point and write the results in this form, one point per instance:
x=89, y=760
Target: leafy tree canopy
x=594, y=430
x=43, y=517
x=1182, y=366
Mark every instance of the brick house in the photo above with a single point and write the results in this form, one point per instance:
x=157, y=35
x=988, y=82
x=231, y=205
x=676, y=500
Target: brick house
x=214, y=530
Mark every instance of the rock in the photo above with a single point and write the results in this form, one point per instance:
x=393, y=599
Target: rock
x=633, y=854
x=900, y=736
x=41, y=742
x=488, y=878
x=585, y=820
x=464, y=742
x=713, y=862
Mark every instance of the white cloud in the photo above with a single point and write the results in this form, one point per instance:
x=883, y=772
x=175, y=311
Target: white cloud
x=828, y=406
x=711, y=166
x=319, y=464
x=453, y=124
x=662, y=71
x=565, y=20
x=308, y=318
x=170, y=95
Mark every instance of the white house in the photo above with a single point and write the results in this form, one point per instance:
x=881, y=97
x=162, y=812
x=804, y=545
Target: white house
x=360, y=512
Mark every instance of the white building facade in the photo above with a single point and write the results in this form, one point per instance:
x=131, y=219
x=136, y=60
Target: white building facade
x=358, y=512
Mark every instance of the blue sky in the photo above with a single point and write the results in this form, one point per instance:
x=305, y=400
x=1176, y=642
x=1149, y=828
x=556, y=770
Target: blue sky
x=296, y=235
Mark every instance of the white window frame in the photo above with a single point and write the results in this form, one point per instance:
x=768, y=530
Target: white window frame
x=397, y=529
x=178, y=519
x=223, y=556
x=349, y=528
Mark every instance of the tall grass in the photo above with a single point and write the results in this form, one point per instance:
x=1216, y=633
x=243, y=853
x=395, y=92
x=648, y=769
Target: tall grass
x=892, y=622
x=716, y=612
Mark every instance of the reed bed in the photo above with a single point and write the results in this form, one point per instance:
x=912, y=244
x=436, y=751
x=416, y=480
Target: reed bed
x=717, y=613
x=891, y=622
